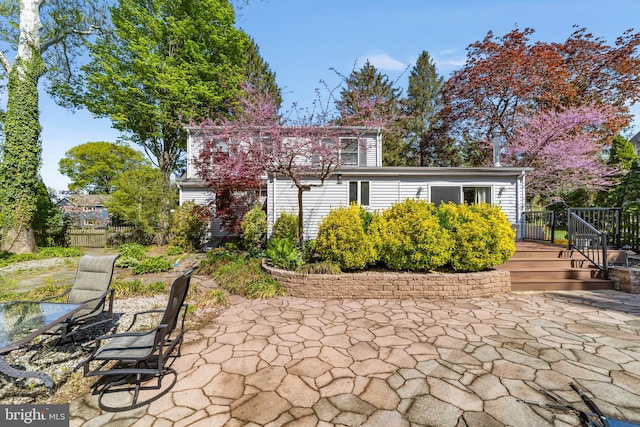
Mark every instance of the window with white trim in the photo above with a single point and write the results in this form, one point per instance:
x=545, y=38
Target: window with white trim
x=458, y=194
x=359, y=192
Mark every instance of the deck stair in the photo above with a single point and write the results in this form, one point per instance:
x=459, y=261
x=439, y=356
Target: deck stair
x=548, y=267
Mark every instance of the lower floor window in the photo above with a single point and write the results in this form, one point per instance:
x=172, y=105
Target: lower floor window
x=459, y=194
x=359, y=192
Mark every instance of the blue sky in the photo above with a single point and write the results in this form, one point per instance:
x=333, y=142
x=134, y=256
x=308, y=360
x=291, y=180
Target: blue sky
x=302, y=40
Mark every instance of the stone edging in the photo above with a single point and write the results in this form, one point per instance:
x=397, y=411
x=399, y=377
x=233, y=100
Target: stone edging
x=393, y=285
x=626, y=279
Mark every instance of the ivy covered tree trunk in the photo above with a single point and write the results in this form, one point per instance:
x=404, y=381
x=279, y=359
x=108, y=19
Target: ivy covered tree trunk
x=21, y=157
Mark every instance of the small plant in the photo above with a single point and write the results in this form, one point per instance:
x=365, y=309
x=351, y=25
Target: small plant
x=136, y=287
x=254, y=229
x=264, y=287
x=283, y=253
x=59, y=252
x=286, y=227
x=216, y=297
x=323, y=267
x=174, y=250
x=130, y=255
x=189, y=226
x=153, y=264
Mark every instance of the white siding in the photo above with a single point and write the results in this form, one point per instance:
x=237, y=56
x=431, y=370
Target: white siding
x=200, y=196
x=384, y=192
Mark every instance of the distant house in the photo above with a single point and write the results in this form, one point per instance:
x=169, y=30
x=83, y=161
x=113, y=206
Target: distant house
x=363, y=179
x=86, y=210
x=636, y=143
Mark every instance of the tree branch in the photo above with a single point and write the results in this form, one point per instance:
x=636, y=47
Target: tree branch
x=58, y=37
x=5, y=63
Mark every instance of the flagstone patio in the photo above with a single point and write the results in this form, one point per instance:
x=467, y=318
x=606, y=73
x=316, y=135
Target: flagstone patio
x=303, y=362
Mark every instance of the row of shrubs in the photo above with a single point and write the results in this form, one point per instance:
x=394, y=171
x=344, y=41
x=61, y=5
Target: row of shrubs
x=412, y=235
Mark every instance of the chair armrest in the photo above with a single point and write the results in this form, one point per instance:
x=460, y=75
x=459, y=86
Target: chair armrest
x=135, y=316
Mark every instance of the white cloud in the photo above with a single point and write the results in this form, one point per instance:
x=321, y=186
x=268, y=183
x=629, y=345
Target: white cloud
x=382, y=61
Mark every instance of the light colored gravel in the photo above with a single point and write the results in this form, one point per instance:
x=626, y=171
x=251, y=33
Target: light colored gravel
x=36, y=264
x=60, y=361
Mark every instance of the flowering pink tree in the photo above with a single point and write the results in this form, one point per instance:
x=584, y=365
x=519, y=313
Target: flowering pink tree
x=564, y=148
x=238, y=152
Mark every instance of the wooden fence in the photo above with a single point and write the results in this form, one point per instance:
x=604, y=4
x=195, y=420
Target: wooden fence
x=100, y=237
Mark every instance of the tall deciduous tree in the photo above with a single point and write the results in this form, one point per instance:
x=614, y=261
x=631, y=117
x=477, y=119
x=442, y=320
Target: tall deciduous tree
x=563, y=149
x=369, y=99
x=423, y=105
x=48, y=36
x=506, y=76
x=138, y=199
x=258, y=140
x=166, y=63
x=93, y=166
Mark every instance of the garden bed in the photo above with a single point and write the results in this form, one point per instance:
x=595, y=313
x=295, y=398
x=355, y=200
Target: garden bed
x=393, y=285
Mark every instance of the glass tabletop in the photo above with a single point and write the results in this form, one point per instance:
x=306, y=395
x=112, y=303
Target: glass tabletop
x=21, y=321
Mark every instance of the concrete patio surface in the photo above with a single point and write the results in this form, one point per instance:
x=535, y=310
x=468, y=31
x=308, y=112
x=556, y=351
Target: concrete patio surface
x=299, y=362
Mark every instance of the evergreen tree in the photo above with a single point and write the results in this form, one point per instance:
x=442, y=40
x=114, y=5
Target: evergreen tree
x=370, y=99
x=623, y=157
x=259, y=75
x=428, y=144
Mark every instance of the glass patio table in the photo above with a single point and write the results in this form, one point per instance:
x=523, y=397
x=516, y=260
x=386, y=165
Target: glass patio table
x=22, y=321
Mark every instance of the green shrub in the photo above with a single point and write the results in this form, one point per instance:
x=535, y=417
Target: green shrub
x=189, y=226
x=254, y=229
x=152, y=264
x=59, y=252
x=284, y=253
x=174, y=250
x=286, y=227
x=342, y=238
x=130, y=255
x=215, y=258
x=482, y=235
x=136, y=287
x=408, y=236
x=244, y=276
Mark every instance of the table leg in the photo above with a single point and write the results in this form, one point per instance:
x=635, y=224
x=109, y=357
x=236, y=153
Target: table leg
x=17, y=373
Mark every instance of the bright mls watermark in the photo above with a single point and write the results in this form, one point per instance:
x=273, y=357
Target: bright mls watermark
x=34, y=415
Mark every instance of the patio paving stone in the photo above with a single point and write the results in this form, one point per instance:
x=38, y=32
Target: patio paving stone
x=298, y=362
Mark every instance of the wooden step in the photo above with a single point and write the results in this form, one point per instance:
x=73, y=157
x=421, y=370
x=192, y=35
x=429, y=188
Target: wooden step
x=545, y=267
x=562, y=285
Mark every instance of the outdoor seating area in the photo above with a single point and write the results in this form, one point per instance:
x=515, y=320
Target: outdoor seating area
x=141, y=357
x=83, y=318
x=92, y=289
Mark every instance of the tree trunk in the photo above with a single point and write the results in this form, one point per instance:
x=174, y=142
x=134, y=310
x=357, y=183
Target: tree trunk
x=301, y=191
x=19, y=171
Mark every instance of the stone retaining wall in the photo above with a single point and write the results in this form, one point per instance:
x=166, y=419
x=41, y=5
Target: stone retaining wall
x=626, y=279
x=390, y=285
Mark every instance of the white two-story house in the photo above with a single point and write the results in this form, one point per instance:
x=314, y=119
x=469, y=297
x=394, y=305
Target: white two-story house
x=361, y=178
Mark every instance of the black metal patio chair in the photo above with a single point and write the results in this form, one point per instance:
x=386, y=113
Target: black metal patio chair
x=130, y=361
x=92, y=287
x=593, y=417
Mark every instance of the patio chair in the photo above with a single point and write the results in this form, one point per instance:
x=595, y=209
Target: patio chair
x=92, y=286
x=129, y=361
x=592, y=417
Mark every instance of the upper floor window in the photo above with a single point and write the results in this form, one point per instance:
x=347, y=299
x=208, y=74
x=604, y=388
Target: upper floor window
x=353, y=153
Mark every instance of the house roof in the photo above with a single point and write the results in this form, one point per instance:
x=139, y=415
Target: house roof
x=435, y=171
x=84, y=200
